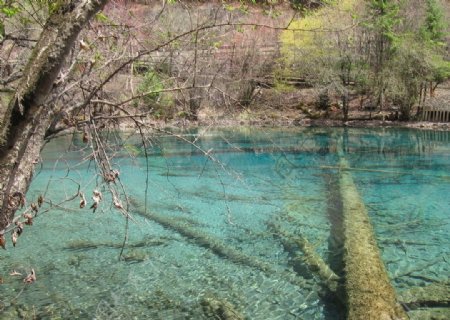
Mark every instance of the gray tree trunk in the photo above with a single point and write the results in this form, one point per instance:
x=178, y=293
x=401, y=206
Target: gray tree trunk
x=27, y=117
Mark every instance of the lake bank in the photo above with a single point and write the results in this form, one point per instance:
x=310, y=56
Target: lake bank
x=282, y=121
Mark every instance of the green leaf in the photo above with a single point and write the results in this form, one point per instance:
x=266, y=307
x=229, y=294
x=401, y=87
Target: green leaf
x=10, y=11
x=101, y=17
x=229, y=7
x=217, y=44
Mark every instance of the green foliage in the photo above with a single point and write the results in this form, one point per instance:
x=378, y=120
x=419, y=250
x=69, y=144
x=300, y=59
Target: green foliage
x=153, y=96
x=413, y=64
x=54, y=6
x=440, y=68
x=151, y=87
x=304, y=5
x=384, y=56
x=103, y=18
x=8, y=9
x=310, y=51
x=432, y=37
x=383, y=18
x=434, y=26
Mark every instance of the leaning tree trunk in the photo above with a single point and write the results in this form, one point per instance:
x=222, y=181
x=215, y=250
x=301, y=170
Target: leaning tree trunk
x=28, y=116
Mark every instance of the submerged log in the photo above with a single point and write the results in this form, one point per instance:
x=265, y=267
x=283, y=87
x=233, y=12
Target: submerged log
x=369, y=292
x=316, y=264
x=214, y=308
x=433, y=295
x=207, y=241
x=89, y=244
x=218, y=247
x=310, y=257
x=430, y=314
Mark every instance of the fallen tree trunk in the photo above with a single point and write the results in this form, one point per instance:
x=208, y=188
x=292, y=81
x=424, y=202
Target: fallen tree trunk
x=310, y=257
x=218, y=247
x=430, y=314
x=369, y=293
x=215, y=308
x=433, y=295
x=207, y=241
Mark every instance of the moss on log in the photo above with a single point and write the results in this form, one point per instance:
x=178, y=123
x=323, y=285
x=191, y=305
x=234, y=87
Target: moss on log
x=204, y=240
x=219, y=248
x=316, y=264
x=81, y=244
x=433, y=295
x=430, y=314
x=369, y=292
x=26, y=118
x=214, y=308
x=310, y=257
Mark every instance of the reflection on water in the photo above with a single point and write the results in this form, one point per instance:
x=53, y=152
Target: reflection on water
x=220, y=238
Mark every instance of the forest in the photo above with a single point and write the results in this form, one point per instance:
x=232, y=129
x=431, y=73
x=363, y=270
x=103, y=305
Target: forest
x=135, y=86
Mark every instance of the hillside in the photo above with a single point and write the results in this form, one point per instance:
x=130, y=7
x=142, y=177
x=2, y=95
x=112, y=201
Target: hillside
x=289, y=62
x=237, y=61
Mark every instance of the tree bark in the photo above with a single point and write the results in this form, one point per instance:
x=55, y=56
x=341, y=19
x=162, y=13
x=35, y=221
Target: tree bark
x=28, y=115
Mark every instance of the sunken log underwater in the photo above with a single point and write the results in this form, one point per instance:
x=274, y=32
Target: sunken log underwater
x=369, y=293
x=364, y=286
x=218, y=247
x=306, y=255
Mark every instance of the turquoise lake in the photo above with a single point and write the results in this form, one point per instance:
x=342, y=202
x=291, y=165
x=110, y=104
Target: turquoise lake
x=207, y=237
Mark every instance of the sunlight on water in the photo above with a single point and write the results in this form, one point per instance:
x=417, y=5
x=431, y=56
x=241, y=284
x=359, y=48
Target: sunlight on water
x=214, y=238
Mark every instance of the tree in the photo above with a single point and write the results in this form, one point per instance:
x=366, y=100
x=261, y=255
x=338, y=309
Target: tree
x=434, y=26
x=69, y=83
x=418, y=62
x=328, y=57
x=27, y=116
x=384, y=54
x=383, y=17
x=433, y=36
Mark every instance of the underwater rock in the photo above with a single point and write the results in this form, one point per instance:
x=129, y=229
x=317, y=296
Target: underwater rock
x=219, y=309
x=135, y=256
x=81, y=245
x=76, y=260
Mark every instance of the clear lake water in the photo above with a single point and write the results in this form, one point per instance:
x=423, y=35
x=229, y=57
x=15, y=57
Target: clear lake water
x=227, y=189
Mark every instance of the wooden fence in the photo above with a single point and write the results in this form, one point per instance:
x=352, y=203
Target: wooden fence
x=436, y=114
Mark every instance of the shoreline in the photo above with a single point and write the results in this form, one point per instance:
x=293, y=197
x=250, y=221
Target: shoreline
x=303, y=123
